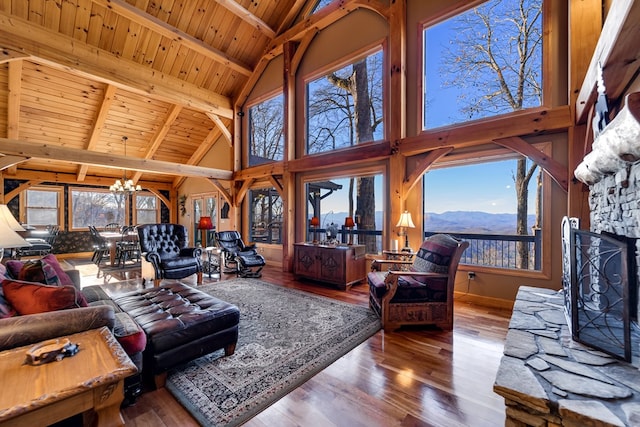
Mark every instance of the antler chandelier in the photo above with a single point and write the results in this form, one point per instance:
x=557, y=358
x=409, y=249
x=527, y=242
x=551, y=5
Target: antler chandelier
x=126, y=186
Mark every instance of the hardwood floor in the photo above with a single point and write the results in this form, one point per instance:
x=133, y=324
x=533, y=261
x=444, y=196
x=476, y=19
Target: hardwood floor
x=415, y=377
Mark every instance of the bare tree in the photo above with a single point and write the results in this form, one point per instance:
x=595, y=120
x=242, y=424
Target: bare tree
x=496, y=57
x=345, y=112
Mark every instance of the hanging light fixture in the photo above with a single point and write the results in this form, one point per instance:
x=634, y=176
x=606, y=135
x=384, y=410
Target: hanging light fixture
x=126, y=186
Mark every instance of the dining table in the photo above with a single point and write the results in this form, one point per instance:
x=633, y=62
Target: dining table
x=113, y=237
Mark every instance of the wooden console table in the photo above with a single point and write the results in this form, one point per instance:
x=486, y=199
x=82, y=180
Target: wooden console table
x=339, y=265
x=45, y=394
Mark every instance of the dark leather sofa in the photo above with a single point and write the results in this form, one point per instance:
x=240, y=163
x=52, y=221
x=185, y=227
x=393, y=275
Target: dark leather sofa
x=166, y=247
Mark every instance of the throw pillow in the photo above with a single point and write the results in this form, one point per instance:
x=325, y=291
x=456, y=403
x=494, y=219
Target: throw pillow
x=64, y=278
x=39, y=271
x=32, y=298
x=6, y=310
x=434, y=256
x=13, y=268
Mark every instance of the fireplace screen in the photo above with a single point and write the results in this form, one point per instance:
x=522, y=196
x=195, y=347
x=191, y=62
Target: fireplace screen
x=601, y=294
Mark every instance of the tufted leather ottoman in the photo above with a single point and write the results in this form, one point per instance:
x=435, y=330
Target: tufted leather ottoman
x=181, y=324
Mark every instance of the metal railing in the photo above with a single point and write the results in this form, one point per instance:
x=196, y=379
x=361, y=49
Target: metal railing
x=487, y=250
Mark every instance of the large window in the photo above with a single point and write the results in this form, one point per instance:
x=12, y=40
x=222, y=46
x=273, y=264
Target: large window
x=265, y=216
x=266, y=131
x=483, y=62
x=331, y=201
x=96, y=207
x=43, y=206
x=345, y=106
x=147, y=209
x=482, y=204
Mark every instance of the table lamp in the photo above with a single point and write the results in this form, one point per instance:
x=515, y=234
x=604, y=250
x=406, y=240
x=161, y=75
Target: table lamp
x=314, y=222
x=405, y=222
x=205, y=224
x=8, y=227
x=349, y=224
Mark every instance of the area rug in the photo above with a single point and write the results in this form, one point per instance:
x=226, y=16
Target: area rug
x=285, y=337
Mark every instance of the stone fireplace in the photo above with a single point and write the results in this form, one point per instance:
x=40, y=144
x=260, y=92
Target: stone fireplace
x=547, y=377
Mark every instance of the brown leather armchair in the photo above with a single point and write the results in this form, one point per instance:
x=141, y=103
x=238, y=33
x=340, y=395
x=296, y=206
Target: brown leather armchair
x=423, y=294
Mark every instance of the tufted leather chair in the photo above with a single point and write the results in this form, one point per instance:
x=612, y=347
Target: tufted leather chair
x=165, y=247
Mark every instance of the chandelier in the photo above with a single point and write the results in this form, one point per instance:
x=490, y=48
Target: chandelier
x=126, y=186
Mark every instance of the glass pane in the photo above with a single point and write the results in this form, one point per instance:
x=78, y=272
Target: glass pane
x=266, y=131
x=333, y=120
x=265, y=218
x=484, y=62
x=480, y=203
x=98, y=208
x=332, y=201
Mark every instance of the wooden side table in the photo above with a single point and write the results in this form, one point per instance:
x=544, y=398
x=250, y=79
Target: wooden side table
x=45, y=394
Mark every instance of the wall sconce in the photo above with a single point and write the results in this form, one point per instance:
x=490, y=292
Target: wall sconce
x=314, y=222
x=349, y=224
x=405, y=222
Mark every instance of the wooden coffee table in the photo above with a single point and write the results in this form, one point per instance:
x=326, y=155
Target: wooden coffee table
x=45, y=394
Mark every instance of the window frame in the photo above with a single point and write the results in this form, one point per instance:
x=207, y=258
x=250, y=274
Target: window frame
x=474, y=157
x=255, y=102
x=60, y=207
x=364, y=52
x=250, y=215
x=73, y=189
x=340, y=173
x=135, y=206
x=460, y=8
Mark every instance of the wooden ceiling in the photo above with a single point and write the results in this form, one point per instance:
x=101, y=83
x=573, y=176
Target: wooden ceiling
x=78, y=75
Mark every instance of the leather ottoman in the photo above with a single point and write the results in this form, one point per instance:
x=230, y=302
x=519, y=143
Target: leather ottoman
x=181, y=324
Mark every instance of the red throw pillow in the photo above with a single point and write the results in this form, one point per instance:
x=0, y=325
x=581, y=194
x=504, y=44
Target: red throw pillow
x=32, y=298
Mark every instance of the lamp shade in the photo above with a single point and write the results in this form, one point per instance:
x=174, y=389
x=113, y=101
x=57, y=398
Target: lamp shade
x=315, y=221
x=7, y=216
x=405, y=220
x=205, y=223
x=348, y=222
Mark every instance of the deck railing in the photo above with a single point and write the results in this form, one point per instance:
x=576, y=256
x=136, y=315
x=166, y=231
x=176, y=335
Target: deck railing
x=487, y=250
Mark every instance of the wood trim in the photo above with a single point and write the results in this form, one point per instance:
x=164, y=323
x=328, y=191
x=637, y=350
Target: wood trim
x=423, y=165
x=355, y=154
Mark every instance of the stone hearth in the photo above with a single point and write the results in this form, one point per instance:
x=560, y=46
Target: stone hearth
x=547, y=379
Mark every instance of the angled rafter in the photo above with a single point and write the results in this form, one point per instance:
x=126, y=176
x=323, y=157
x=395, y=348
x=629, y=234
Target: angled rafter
x=98, y=124
x=13, y=103
x=159, y=136
x=221, y=126
x=40, y=151
x=556, y=171
x=414, y=177
x=200, y=152
x=9, y=161
x=63, y=52
x=136, y=15
x=247, y=16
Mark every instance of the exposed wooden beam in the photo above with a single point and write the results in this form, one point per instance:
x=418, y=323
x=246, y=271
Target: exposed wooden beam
x=222, y=190
x=527, y=122
x=618, y=54
x=358, y=153
x=70, y=178
x=247, y=16
x=423, y=165
x=200, y=152
x=8, y=161
x=154, y=24
x=13, y=103
x=239, y=196
x=293, y=13
x=157, y=139
x=47, y=152
x=98, y=124
x=65, y=53
x=558, y=172
x=221, y=126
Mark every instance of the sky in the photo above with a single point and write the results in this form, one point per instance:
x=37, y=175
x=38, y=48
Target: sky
x=487, y=187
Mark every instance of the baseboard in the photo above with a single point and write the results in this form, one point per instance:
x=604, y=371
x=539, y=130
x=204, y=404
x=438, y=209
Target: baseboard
x=483, y=301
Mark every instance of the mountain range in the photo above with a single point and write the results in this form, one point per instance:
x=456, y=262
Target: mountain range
x=451, y=221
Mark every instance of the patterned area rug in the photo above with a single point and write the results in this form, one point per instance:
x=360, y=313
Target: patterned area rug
x=285, y=337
